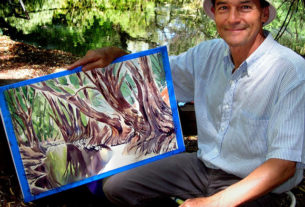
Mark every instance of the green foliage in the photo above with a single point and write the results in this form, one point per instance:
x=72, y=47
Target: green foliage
x=56, y=161
x=11, y=103
x=125, y=89
x=83, y=119
x=129, y=87
x=42, y=107
x=29, y=101
x=74, y=80
x=63, y=80
x=289, y=27
x=42, y=121
x=78, y=26
x=91, y=24
x=157, y=68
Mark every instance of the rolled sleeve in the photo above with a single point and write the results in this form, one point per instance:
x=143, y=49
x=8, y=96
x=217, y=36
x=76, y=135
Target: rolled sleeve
x=287, y=125
x=181, y=67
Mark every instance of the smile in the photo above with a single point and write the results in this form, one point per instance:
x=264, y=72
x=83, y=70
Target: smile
x=234, y=29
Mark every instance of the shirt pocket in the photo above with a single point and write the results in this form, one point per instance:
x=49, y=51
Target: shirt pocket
x=253, y=137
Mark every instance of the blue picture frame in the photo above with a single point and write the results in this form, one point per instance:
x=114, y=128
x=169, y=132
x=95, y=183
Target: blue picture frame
x=14, y=137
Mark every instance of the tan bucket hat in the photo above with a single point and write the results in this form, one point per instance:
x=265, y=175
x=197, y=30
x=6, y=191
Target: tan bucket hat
x=207, y=5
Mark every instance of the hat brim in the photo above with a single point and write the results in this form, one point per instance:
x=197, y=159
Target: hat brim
x=207, y=6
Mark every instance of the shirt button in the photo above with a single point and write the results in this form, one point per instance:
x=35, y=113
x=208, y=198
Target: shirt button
x=226, y=107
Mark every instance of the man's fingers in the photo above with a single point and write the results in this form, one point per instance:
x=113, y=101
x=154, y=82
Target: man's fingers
x=93, y=65
x=83, y=61
x=75, y=64
x=98, y=58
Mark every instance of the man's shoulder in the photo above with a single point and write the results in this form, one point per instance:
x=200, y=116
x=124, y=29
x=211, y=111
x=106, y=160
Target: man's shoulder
x=284, y=59
x=276, y=51
x=291, y=58
x=284, y=52
x=213, y=44
x=208, y=48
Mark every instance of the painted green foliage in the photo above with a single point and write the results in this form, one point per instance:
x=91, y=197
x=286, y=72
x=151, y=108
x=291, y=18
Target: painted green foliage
x=27, y=99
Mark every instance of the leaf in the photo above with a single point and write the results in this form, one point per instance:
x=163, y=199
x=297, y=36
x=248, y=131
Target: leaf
x=74, y=80
x=63, y=80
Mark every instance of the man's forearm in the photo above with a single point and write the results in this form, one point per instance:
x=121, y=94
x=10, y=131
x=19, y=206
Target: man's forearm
x=262, y=180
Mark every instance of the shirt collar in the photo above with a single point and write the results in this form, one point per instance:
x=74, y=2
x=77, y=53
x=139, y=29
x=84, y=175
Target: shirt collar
x=259, y=52
x=262, y=49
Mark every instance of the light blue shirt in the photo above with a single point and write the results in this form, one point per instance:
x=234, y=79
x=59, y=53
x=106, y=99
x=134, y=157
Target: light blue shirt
x=250, y=116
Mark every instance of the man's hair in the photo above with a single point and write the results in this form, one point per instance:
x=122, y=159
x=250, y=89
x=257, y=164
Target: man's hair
x=263, y=3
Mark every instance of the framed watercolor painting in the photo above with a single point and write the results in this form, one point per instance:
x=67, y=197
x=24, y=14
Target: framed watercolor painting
x=71, y=128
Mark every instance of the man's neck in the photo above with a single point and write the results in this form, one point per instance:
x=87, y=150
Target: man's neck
x=240, y=53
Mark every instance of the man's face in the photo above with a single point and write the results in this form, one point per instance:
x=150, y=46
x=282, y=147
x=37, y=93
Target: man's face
x=239, y=22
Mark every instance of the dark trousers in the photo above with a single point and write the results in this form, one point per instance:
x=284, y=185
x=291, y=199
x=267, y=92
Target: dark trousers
x=183, y=176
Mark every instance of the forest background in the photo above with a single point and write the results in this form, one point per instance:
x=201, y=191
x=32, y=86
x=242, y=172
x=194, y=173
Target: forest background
x=41, y=37
x=76, y=26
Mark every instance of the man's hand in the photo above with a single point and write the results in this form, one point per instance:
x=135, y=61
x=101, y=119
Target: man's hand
x=98, y=58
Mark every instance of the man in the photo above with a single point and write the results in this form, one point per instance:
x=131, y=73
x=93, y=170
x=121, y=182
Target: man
x=249, y=95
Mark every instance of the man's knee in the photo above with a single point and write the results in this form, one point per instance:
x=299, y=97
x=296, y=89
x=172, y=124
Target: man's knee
x=121, y=189
x=112, y=188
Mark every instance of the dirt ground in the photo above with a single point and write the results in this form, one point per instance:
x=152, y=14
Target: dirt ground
x=19, y=61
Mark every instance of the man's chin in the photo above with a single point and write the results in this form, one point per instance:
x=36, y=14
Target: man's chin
x=234, y=42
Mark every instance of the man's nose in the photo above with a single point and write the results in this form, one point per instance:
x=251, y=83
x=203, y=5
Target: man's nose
x=234, y=16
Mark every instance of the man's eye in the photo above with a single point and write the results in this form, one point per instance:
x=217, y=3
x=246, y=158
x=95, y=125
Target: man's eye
x=222, y=8
x=246, y=7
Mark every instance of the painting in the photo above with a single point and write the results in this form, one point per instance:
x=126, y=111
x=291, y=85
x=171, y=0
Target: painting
x=73, y=127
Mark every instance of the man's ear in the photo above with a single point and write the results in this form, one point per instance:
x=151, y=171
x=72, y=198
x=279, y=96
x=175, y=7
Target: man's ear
x=213, y=10
x=265, y=14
